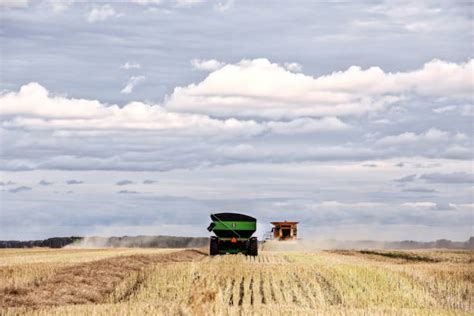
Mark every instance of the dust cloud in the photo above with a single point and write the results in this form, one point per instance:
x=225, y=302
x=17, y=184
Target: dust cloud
x=329, y=244
x=140, y=242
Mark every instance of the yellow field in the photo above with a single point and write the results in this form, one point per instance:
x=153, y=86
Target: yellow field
x=187, y=282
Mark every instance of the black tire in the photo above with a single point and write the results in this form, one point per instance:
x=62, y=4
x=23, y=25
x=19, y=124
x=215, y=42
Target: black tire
x=214, y=247
x=253, y=247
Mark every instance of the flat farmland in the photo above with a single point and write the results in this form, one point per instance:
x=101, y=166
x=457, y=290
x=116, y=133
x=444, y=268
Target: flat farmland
x=188, y=282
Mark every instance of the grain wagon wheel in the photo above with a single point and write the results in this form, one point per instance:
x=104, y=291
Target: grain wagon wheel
x=214, y=247
x=253, y=247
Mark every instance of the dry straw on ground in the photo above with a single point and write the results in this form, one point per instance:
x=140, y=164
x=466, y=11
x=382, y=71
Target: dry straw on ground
x=104, y=282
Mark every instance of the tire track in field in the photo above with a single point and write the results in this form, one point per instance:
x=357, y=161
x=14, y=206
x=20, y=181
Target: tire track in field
x=251, y=292
x=331, y=295
x=302, y=291
x=241, y=291
x=131, y=289
x=231, y=298
x=261, y=289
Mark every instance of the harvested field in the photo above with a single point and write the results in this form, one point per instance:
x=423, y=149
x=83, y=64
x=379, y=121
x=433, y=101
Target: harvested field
x=27, y=266
x=453, y=256
x=86, y=283
x=192, y=283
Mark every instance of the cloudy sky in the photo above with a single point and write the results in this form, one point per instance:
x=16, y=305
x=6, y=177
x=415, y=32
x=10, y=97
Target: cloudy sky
x=144, y=116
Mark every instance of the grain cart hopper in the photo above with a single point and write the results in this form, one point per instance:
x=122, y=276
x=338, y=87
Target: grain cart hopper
x=233, y=234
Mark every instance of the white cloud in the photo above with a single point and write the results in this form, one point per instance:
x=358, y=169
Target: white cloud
x=147, y=2
x=460, y=137
x=432, y=135
x=463, y=110
x=435, y=135
x=131, y=65
x=223, y=6
x=431, y=206
x=307, y=125
x=420, y=205
x=382, y=121
x=206, y=64
x=293, y=67
x=188, y=3
x=33, y=100
x=67, y=126
x=264, y=89
x=34, y=108
x=101, y=13
x=60, y=5
x=467, y=109
x=14, y=3
x=445, y=109
x=409, y=9
x=132, y=83
x=75, y=131
x=418, y=27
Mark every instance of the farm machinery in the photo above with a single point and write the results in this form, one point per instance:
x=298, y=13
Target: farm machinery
x=233, y=234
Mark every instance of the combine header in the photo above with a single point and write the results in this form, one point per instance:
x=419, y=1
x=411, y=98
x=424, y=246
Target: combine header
x=233, y=234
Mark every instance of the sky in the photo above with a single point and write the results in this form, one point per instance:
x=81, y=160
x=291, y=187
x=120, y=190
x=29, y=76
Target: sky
x=143, y=117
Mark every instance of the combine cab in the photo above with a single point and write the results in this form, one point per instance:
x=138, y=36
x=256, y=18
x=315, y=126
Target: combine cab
x=233, y=234
x=284, y=231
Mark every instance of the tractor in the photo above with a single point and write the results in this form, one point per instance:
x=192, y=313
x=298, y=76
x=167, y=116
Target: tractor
x=233, y=234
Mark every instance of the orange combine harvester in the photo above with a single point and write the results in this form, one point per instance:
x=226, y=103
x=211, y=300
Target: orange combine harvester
x=285, y=230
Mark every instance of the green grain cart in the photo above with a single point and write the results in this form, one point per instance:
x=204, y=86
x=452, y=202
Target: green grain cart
x=233, y=234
